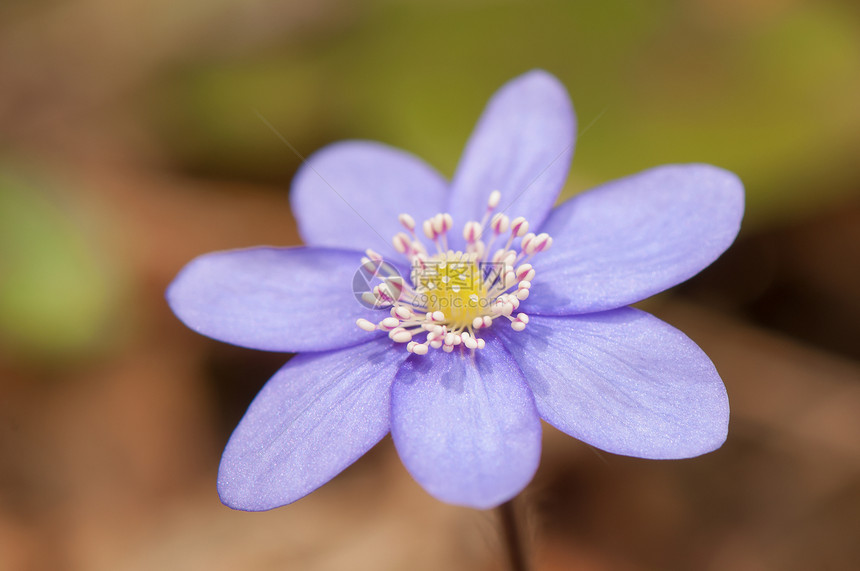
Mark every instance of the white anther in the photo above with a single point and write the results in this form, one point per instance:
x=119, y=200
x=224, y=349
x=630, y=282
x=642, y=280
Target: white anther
x=519, y=323
x=372, y=262
x=495, y=197
x=437, y=316
x=368, y=265
x=525, y=284
x=519, y=226
x=400, y=335
x=449, y=338
x=401, y=242
x=407, y=221
x=542, y=242
x=447, y=222
x=469, y=341
x=481, y=343
x=438, y=222
x=525, y=272
x=436, y=343
x=370, y=298
x=500, y=223
x=477, y=323
x=389, y=323
x=527, y=244
x=382, y=294
x=428, y=229
x=471, y=231
x=411, y=346
x=488, y=321
x=447, y=348
x=420, y=349
x=403, y=312
x=365, y=324
x=395, y=286
x=373, y=255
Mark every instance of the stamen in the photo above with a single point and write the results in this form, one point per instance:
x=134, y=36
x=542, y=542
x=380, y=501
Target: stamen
x=404, y=313
x=525, y=272
x=429, y=231
x=407, y=222
x=520, y=322
x=519, y=226
x=453, y=295
x=500, y=223
x=402, y=243
x=400, y=335
x=471, y=232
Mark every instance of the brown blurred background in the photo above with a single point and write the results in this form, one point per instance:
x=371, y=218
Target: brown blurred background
x=130, y=143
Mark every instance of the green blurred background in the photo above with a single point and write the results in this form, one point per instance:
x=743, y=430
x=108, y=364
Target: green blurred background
x=130, y=142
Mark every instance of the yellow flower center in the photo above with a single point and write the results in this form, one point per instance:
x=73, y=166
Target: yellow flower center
x=455, y=287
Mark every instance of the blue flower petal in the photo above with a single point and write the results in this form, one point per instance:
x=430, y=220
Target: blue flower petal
x=623, y=381
x=466, y=427
x=522, y=146
x=631, y=238
x=274, y=299
x=315, y=417
x=349, y=194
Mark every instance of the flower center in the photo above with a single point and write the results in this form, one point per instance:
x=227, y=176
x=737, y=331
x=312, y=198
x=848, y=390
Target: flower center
x=453, y=285
x=453, y=294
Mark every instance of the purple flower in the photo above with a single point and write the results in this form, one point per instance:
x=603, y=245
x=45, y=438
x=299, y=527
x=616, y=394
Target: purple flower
x=496, y=327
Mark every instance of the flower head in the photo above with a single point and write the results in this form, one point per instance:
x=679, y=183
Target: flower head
x=467, y=339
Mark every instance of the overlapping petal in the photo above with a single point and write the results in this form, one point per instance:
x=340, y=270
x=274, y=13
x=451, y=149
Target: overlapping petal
x=466, y=426
x=634, y=237
x=275, y=299
x=315, y=417
x=623, y=381
x=349, y=194
x=522, y=146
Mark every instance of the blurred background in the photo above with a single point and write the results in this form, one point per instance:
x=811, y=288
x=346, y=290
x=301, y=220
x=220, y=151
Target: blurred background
x=130, y=142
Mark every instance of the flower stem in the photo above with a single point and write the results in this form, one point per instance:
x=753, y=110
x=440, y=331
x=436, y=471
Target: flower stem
x=512, y=537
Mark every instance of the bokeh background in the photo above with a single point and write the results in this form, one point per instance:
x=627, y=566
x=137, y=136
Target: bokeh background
x=130, y=142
